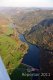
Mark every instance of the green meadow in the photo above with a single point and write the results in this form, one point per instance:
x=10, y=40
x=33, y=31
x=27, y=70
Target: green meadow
x=10, y=50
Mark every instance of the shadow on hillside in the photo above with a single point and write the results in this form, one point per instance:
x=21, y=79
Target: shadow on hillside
x=46, y=67
x=23, y=72
x=19, y=73
x=46, y=64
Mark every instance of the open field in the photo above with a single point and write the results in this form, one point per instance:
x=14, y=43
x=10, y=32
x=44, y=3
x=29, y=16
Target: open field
x=10, y=48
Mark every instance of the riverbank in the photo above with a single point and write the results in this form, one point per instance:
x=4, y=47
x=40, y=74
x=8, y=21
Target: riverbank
x=38, y=46
x=46, y=57
x=32, y=58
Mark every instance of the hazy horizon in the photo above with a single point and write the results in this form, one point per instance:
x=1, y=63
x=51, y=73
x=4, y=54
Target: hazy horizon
x=26, y=3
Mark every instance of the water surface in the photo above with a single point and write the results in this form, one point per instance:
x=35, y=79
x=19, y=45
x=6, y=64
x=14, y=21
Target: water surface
x=32, y=57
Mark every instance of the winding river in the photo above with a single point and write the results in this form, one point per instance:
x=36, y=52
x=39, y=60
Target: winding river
x=32, y=57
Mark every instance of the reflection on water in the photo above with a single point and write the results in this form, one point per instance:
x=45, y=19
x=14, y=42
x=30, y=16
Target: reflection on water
x=32, y=57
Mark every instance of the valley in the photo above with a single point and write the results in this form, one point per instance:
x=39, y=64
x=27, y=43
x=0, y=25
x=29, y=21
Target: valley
x=26, y=41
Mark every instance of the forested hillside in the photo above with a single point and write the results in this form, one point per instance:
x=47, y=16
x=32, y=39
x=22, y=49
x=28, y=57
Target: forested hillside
x=42, y=34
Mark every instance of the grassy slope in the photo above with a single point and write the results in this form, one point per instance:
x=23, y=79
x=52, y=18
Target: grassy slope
x=10, y=50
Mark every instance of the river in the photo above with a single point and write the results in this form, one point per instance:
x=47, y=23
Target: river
x=32, y=57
